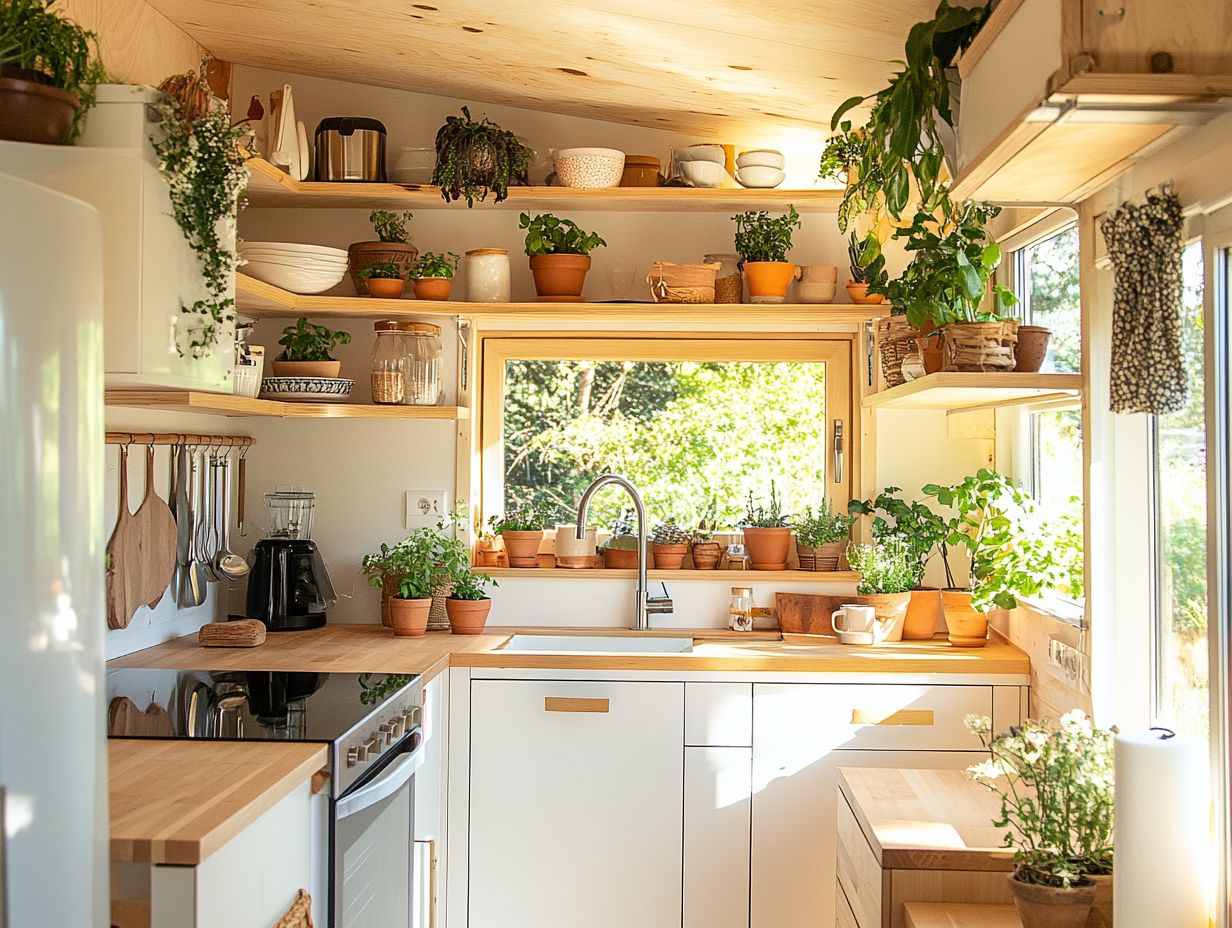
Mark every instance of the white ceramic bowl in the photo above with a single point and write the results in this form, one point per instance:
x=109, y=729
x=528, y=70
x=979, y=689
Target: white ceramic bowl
x=812, y=291
x=761, y=158
x=702, y=173
x=759, y=177
x=294, y=248
x=589, y=168
x=282, y=257
x=704, y=152
x=294, y=279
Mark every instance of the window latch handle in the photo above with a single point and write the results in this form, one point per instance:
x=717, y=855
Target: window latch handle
x=838, y=451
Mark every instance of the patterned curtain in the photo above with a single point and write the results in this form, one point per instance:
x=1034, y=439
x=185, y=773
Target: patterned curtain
x=1145, y=244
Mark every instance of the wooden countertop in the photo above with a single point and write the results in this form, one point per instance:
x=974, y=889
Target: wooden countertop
x=373, y=649
x=959, y=915
x=926, y=819
x=176, y=802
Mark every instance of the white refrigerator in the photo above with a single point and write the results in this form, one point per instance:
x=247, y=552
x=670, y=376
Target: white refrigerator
x=53, y=765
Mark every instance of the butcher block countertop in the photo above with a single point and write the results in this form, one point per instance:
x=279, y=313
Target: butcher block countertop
x=373, y=649
x=176, y=802
x=926, y=819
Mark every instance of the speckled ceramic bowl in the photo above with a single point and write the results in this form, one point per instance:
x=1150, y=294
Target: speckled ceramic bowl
x=589, y=168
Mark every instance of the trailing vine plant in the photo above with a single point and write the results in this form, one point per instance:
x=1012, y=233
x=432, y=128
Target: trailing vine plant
x=474, y=157
x=201, y=156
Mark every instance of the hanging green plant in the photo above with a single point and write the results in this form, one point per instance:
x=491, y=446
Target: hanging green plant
x=201, y=156
x=474, y=157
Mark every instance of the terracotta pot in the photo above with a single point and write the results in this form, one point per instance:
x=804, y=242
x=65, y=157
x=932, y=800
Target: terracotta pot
x=768, y=281
x=891, y=609
x=1032, y=348
x=522, y=548
x=467, y=616
x=34, y=111
x=433, y=288
x=389, y=587
x=487, y=558
x=559, y=276
x=619, y=559
x=409, y=616
x=767, y=547
x=1051, y=906
x=825, y=557
x=859, y=294
x=967, y=626
x=932, y=352
x=386, y=288
x=307, y=368
x=362, y=254
x=922, y=614
x=707, y=555
x=1101, y=909
x=669, y=557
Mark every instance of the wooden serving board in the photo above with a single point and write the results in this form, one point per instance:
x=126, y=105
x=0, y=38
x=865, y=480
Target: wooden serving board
x=806, y=613
x=141, y=552
x=125, y=720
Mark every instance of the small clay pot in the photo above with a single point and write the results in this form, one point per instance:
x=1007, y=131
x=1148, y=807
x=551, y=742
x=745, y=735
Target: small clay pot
x=385, y=288
x=467, y=616
x=34, y=111
x=891, y=609
x=1051, y=906
x=768, y=281
x=559, y=277
x=619, y=558
x=1032, y=348
x=932, y=352
x=967, y=626
x=522, y=548
x=409, y=617
x=767, y=547
x=433, y=288
x=307, y=368
x=825, y=557
x=669, y=557
x=362, y=254
x=859, y=294
x=922, y=614
x=707, y=555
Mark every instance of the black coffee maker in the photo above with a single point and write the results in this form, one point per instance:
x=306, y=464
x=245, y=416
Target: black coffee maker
x=289, y=588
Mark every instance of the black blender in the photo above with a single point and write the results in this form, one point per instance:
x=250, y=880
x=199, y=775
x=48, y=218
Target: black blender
x=289, y=587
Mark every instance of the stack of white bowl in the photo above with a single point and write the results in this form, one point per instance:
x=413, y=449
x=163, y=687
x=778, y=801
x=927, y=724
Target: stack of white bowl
x=298, y=268
x=761, y=168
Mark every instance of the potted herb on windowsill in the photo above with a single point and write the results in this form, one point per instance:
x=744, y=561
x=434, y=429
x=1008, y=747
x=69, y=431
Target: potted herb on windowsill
x=559, y=254
x=887, y=575
x=433, y=275
x=393, y=246
x=707, y=553
x=1057, y=789
x=383, y=280
x=307, y=350
x=620, y=550
x=821, y=537
x=475, y=157
x=522, y=533
x=763, y=244
x=767, y=532
x=671, y=544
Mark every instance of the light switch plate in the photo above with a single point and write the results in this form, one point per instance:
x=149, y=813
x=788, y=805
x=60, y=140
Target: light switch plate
x=424, y=508
x=1065, y=661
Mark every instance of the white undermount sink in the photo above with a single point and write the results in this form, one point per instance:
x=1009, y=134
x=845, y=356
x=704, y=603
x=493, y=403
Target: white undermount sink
x=605, y=644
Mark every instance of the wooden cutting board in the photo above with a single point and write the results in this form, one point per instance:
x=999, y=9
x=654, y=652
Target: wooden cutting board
x=155, y=526
x=806, y=613
x=125, y=720
x=141, y=552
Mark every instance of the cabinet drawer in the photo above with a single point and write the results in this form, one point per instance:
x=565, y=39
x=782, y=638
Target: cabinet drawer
x=869, y=717
x=718, y=715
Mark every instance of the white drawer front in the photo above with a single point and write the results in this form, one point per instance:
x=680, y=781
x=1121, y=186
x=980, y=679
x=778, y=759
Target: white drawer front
x=718, y=714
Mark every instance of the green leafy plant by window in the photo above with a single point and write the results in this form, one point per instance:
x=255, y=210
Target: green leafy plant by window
x=381, y=270
x=768, y=516
x=842, y=152
x=422, y=561
x=888, y=565
x=548, y=235
x=526, y=519
x=474, y=158
x=306, y=341
x=921, y=529
x=762, y=238
x=431, y=264
x=39, y=44
x=855, y=256
x=668, y=532
x=389, y=226
x=823, y=527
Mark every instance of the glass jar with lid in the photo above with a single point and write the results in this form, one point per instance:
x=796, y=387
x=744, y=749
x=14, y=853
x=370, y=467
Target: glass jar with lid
x=389, y=362
x=487, y=275
x=424, y=359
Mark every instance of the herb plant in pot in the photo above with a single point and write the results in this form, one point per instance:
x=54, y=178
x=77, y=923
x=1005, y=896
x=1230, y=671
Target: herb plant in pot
x=821, y=537
x=383, y=280
x=707, y=553
x=380, y=569
x=307, y=350
x=433, y=275
x=393, y=247
x=413, y=563
x=1056, y=785
x=763, y=244
x=857, y=287
x=522, y=533
x=671, y=544
x=559, y=254
x=475, y=157
x=887, y=575
x=467, y=606
x=767, y=532
x=620, y=550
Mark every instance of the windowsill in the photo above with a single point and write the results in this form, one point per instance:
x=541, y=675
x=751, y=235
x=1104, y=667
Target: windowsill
x=727, y=576
x=1055, y=607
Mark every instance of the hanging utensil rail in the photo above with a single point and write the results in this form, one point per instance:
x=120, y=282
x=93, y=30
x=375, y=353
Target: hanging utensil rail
x=179, y=438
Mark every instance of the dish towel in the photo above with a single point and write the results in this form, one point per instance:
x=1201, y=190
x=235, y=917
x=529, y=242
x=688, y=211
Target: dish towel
x=1145, y=244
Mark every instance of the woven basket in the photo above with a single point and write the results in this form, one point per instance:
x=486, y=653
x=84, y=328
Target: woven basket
x=895, y=340
x=824, y=558
x=682, y=283
x=438, y=618
x=979, y=346
x=729, y=289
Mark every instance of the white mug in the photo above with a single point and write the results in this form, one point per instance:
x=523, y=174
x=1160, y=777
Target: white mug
x=855, y=618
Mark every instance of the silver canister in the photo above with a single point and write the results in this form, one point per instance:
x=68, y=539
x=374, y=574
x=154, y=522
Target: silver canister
x=350, y=148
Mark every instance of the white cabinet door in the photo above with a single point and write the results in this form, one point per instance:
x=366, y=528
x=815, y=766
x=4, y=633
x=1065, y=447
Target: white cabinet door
x=802, y=734
x=576, y=804
x=717, y=802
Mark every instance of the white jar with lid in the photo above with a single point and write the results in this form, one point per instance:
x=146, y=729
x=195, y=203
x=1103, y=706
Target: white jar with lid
x=487, y=275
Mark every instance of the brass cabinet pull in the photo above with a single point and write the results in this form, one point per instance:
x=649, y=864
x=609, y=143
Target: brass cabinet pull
x=573, y=704
x=901, y=717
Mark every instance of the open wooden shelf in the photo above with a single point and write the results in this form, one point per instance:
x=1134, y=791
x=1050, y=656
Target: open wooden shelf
x=957, y=390
x=259, y=300
x=734, y=576
x=269, y=186
x=226, y=404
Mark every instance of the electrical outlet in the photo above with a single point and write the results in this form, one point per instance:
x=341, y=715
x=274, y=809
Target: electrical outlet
x=1065, y=661
x=424, y=508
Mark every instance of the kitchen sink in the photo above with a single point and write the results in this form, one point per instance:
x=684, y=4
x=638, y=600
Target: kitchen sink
x=607, y=644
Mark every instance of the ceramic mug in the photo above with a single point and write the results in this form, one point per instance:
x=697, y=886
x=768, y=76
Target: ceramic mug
x=855, y=618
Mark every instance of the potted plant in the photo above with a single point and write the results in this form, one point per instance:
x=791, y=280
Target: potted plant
x=620, y=550
x=671, y=544
x=821, y=537
x=488, y=546
x=767, y=532
x=522, y=533
x=887, y=575
x=475, y=157
x=559, y=255
x=1057, y=787
x=307, y=350
x=49, y=69
x=411, y=570
x=393, y=246
x=433, y=275
x=467, y=605
x=380, y=569
x=383, y=279
x=763, y=244
x=707, y=553
x=857, y=287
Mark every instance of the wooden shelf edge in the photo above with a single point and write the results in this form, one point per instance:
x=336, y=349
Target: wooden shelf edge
x=958, y=390
x=226, y=404
x=748, y=576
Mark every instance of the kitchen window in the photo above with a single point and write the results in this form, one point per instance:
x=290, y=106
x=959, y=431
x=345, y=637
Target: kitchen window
x=686, y=420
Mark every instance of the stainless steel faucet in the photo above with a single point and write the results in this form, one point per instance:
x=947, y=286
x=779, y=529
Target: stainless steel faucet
x=646, y=605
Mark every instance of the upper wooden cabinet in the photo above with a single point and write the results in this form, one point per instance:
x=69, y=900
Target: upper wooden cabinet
x=1058, y=96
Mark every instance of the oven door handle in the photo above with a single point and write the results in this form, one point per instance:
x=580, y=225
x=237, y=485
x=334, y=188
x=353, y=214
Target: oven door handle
x=392, y=779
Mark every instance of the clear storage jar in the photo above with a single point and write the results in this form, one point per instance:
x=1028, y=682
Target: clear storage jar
x=389, y=363
x=487, y=275
x=424, y=360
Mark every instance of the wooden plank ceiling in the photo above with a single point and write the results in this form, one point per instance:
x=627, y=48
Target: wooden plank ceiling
x=726, y=69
